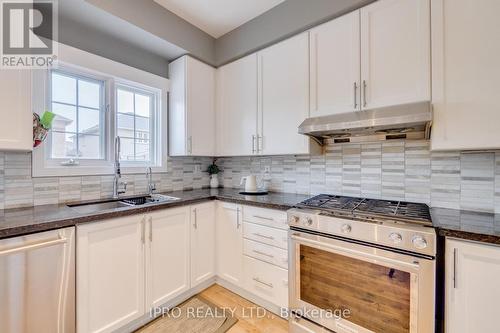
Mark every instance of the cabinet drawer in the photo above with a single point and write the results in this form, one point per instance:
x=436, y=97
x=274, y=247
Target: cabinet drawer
x=267, y=253
x=268, y=217
x=266, y=235
x=266, y=281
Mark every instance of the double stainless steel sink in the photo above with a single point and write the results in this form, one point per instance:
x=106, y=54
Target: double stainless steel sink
x=91, y=207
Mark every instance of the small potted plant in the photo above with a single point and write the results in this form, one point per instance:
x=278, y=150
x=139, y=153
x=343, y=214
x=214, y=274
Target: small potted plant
x=213, y=170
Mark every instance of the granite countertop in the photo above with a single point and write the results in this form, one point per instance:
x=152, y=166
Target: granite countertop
x=20, y=221
x=470, y=225
x=476, y=226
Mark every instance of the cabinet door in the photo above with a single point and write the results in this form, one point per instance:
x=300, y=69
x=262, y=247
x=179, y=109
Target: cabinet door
x=335, y=66
x=472, y=292
x=168, y=254
x=284, y=96
x=236, y=107
x=200, y=91
x=229, y=242
x=110, y=274
x=395, y=52
x=202, y=242
x=191, y=108
x=465, y=72
x=16, y=130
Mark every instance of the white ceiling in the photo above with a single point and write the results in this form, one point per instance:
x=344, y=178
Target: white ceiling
x=218, y=17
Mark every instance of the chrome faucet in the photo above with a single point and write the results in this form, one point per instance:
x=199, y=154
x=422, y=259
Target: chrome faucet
x=118, y=174
x=151, y=185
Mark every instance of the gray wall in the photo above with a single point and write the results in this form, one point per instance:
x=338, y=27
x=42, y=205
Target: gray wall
x=155, y=19
x=97, y=42
x=282, y=21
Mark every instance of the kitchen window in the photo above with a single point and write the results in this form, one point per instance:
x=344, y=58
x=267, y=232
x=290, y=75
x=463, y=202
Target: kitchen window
x=79, y=125
x=134, y=123
x=92, y=108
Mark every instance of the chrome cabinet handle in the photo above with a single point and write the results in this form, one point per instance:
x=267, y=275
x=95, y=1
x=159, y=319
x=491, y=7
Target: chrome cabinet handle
x=190, y=145
x=238, y=218
x=355, y=95
x=263, y=253
x=195, y=224
x=364, y=92
x=253, y=144
x=260, y=143
x=270, y=285
x=263, y=218
x=455, y=259
x=263, y=236
x=150, y=229
x=143, y=232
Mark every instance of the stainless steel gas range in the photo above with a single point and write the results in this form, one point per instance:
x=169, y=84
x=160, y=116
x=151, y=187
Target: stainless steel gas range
x=361, y=265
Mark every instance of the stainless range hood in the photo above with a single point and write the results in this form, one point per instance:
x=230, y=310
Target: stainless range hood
x=407, y=121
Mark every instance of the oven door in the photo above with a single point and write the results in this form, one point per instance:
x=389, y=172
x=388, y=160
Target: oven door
x=350, y=287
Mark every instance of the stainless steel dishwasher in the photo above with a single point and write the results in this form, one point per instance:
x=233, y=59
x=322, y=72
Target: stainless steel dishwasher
x=37, y=282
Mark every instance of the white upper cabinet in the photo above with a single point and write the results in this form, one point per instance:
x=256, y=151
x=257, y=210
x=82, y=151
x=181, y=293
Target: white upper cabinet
x=335, y=66
x=395, y=52
x=191, y=108
x=283, y=96
x=202, y=242
x=472, y=293
x=16, y=127
x=465, y=67
x=236, y=104
x=168, y=257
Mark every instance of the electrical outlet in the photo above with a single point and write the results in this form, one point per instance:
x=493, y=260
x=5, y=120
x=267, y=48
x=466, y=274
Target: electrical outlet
x=267, y=169
x=197, y=168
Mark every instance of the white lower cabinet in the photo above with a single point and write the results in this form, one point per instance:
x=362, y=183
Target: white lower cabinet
x=267, y=281
x=127, y=265
x=471, y=287
x=167, y=255
x=110, y=274
x=202, y=242
x=229, y=242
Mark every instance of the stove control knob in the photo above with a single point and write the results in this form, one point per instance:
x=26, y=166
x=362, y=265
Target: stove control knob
x=346, y=228
x=294, y=219
x=395, y=237
x=309, y=221
x=419, y=242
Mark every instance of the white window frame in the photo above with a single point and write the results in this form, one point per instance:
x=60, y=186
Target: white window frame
x=154, y=125
x=113, y=74
x=102, y=162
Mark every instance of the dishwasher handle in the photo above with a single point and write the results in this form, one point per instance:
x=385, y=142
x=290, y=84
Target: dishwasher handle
x=34, y=246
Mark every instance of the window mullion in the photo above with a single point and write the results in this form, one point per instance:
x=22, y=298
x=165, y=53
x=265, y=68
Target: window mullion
x=135, y=129
x=77, y=119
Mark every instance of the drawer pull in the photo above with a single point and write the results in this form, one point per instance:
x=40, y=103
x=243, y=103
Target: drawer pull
x=263, y=254
x=263, y=236
x=256, y=279
x=263, y=218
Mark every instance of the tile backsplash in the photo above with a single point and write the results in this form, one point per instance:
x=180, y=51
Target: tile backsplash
x=400, y=170
x=19, y=189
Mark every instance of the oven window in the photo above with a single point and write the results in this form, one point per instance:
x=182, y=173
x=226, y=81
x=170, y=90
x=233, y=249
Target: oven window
x=378, y=297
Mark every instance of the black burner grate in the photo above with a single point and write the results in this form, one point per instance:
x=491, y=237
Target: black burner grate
x=405, y=211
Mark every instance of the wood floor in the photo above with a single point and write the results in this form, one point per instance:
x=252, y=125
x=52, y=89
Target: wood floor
x=255, y=324
x=270, y=323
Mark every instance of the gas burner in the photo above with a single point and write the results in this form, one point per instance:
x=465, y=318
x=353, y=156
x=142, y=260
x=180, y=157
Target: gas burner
x=371, y=209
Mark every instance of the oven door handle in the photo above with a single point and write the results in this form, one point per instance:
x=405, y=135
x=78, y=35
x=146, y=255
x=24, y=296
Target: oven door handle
x=350, y=252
